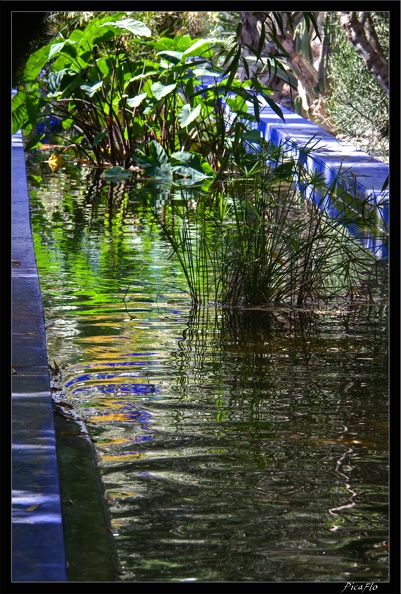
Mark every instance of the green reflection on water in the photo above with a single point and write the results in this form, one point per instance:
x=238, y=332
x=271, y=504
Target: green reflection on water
x=246, y=445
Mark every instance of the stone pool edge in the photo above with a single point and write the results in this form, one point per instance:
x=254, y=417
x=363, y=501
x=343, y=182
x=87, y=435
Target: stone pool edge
x=37, y=530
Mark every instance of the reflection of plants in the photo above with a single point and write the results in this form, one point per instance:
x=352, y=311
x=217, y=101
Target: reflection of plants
x=256, y=241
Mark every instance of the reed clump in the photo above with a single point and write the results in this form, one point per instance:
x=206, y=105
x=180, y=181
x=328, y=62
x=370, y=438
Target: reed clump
x=256, y=240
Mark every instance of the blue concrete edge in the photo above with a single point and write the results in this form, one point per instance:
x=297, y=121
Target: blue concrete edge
x=38, y=548
x=335, y=161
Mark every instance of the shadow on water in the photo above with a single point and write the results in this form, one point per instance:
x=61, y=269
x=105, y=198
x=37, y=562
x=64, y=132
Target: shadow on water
x=232, y=444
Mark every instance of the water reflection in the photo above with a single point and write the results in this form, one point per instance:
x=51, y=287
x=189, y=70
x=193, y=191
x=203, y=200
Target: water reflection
x=233, y=445
x=240, y=449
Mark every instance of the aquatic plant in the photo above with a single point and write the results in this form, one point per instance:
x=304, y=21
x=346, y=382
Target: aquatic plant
x=123, y=96
x=256, y=240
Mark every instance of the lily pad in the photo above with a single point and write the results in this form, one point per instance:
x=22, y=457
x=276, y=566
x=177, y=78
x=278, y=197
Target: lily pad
x=116, y=174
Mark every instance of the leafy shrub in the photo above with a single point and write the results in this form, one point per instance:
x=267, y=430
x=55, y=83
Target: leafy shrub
x=357, y=105
x=119, y=90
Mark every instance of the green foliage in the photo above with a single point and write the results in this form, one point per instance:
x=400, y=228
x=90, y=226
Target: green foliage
x=119, y=90
x=357, y=105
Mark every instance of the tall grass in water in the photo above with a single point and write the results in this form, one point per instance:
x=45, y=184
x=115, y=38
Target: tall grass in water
x=255, y=240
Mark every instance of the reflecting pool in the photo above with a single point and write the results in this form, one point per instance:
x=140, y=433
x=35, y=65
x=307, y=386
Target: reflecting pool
x=233, y=444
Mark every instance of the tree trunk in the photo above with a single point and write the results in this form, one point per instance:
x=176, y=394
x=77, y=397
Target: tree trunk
x=361, y=33
x=303, y=69
x=250, y=36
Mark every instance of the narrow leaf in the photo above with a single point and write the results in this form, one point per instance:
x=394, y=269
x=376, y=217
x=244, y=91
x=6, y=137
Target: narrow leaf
x=33, y=507
x=273, y=105
x=99, y=137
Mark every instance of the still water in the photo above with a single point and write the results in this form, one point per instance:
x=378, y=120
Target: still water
x=246, y=445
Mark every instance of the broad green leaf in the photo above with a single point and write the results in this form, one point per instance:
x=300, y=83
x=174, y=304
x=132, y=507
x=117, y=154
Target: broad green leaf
x=104, y=36
x=135, y=101
x=157, y=153
x=77, y=35
x=171, y=56
x=95, y=31
x=183, y=42
x=190, y=165
x=205, y=72
x=200, y=48
x=135, y=27
x=164, y=43
x=32, y=105
x=237, y=104
x=157, y=156
x=156, y=164
x=67, y=124
x=160, y=91
x=147, y=88
x=54, y=80
x=188, y=115
x=179, y=43
x=19, y=114
x=90, y=90
x=35, y=63
x=57, y=47
x=188, y=172
x=70, y=51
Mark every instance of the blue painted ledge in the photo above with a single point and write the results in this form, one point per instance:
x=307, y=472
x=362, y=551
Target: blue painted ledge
x=38, y=549
x=356, y=172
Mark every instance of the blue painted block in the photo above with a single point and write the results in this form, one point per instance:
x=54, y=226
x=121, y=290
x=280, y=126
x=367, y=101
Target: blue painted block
x=337, y=162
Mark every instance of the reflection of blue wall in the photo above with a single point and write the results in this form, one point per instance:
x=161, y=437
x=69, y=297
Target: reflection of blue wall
x=113, y=388
x=131, y=413
x=109, y=374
